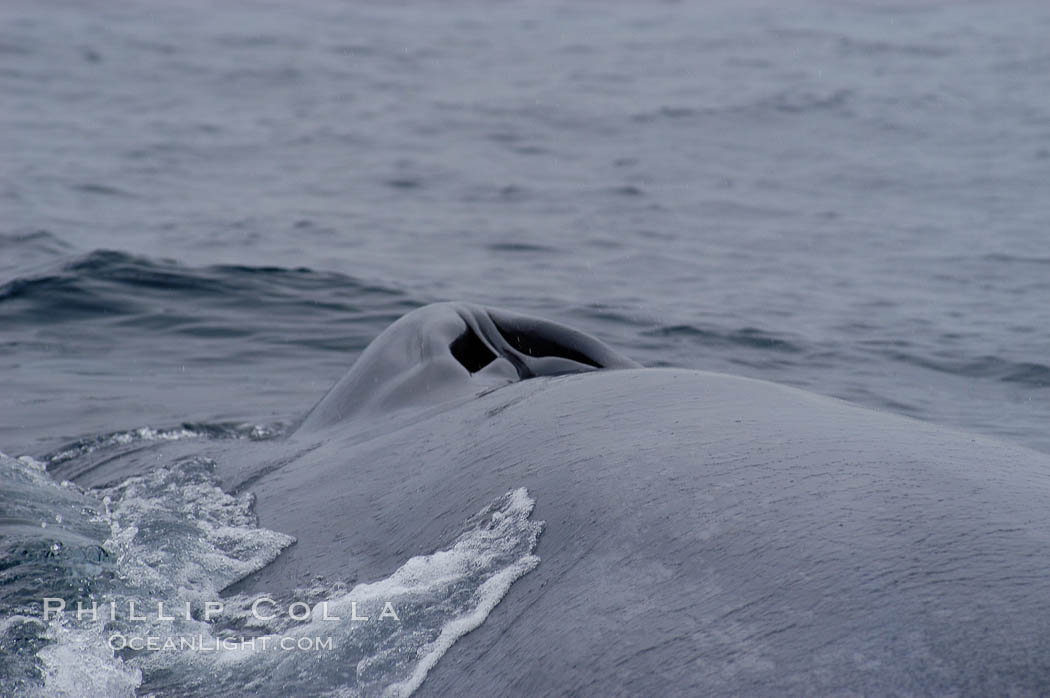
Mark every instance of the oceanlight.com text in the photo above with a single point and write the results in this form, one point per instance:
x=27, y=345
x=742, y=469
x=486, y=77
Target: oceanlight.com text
x=204, y=643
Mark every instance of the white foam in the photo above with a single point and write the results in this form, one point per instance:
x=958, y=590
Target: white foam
x=176, y=537
x=121, y=438
x=489, y=594
x=80, y=665
x=438, y=598
x=255, y=432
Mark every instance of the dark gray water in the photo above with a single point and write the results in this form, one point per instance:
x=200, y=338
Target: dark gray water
x=208, y=209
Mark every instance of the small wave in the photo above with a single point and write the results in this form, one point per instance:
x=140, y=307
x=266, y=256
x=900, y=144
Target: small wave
x=672, y=112
x=498, y=193
x=749, y=337
x=627, y=190
x=519, y=247
x=131, y=272
x=119, y=438
x=783, y=102
x=864, y=47
x=26, y=249
x=805, y=101
x=83, y=447
x=1027, y=373
x=129, y=293
x=102, y=189
x=42, y=240
x=1015, y=259
x=404, y=183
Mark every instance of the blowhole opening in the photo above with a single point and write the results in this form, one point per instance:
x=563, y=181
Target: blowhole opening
x=533, y=341
x=469, y=350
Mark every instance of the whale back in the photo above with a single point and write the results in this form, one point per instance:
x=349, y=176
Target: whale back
x=704, y=534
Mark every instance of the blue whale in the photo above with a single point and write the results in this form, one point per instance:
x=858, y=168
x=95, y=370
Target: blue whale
x=705, y=534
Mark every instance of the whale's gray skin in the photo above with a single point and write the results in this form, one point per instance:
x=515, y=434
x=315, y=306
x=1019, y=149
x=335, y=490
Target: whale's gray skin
x=705, y=534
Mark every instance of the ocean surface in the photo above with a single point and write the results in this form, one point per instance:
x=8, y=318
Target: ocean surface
x=207, y=210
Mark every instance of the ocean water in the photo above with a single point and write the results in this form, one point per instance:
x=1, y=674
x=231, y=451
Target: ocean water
x=207, y=210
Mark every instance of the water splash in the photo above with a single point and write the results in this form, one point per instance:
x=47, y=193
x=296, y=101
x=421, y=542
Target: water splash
x=173, y=536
